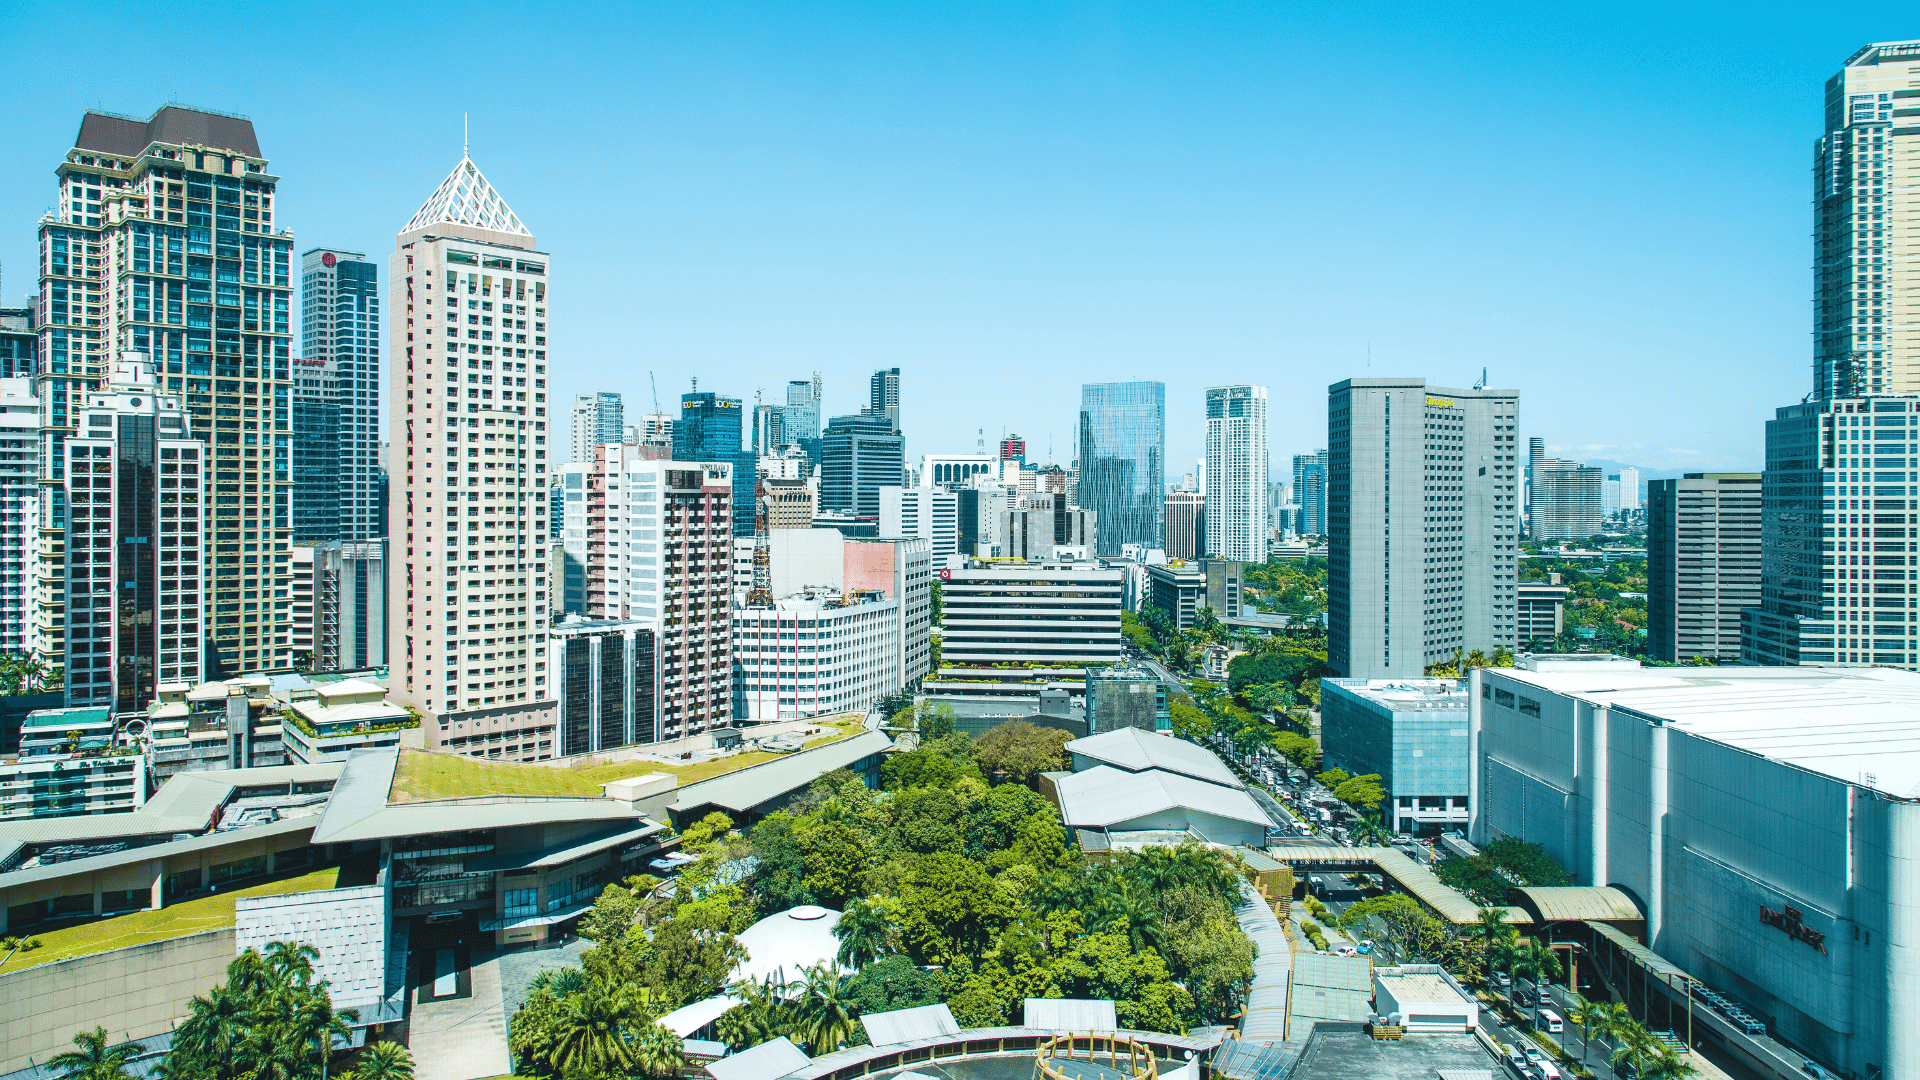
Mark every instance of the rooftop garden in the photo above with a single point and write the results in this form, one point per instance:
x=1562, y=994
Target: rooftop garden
x=426, y=775
x=158, y=924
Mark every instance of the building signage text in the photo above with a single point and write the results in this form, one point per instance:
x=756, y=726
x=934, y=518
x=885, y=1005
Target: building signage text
x=1789, y=922
x=1439, y=402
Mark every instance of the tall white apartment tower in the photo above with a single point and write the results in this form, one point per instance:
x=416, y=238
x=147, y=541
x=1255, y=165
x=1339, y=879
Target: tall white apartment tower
x=19, y=503
x=598, y=419
x=1236, y=472
x=472, y=438
x=1865, y=168
x=1423, y=524
x=340, y=347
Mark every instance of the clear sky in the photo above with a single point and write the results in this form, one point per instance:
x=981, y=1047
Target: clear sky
x=1606, y=206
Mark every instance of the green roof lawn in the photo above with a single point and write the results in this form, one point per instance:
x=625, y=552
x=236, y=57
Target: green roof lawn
x=140, y=927
x=423, y=774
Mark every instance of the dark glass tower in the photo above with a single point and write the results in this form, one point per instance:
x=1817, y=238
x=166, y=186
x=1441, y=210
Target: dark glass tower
x=858, y=456
x=336, y=399
x=1123, y=439
x=709, y=429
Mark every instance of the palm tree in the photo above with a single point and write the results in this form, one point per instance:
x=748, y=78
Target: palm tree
x=291, y=962
x=1539, y=961
x=1633, y=1046
x=94, y=1059
x=592, y=1036
x=826, y=1017
x=866, y=932
x=1371, y=832
x=1588, y=1016
x=384, y=1060
x=1662, y=1063
x=658, y=1052
x=560, y=981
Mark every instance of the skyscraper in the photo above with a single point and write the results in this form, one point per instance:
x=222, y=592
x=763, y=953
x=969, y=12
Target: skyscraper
x=19, y=343
x=708, y=430
x=1449, y=584
x=1862, y=183
x=136, y=499
x=340, y=346
x=1310, y=491
x=19, y=436
x=1629, y=489
x=769, y=429
x=883, y=396
x=351, y=598
x=859, y=455
x=1703, y=564
x=1013, y=448
x=801, y=417
x=1237, y=473
x=1123, y=440
x=1564, y=498
x=1186, y=524
x=163, y=241
x=598, y=419
x=471, y=434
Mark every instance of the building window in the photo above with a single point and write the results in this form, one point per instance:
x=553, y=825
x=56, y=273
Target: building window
x=523, y=903
x=1529, y=707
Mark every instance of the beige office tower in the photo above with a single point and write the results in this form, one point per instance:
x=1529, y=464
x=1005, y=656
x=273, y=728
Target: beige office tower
x=163, y=242
x=472, y=430
x=1866, y=282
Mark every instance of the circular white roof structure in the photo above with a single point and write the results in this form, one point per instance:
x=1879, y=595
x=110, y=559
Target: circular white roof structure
x=784, y=944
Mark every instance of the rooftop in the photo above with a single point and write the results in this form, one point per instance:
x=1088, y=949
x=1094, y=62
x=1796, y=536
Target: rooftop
x=1417, y=983
x=179, y=125
x=1341, y=1054
x=1136, y=750
x=1104, y=796
x=1407, y=695
x=1843, y=723
x=744, y=789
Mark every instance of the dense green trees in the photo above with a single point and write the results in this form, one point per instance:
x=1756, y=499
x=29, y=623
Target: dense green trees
x=1499, y=868
x=269, y=1021
x=1019, y=751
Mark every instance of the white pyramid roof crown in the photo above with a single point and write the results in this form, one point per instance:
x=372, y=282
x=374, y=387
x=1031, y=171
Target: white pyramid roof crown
x=465, y=198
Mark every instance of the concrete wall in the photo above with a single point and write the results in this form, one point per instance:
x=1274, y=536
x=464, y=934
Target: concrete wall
x=133, y=993
x=805, y=557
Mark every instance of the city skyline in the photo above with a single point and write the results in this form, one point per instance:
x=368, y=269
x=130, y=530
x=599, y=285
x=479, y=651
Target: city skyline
x=1081, y=309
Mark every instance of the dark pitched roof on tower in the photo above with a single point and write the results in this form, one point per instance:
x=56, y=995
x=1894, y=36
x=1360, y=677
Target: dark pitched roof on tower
x=178, y=125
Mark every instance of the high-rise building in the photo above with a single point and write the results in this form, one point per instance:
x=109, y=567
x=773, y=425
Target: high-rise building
x=597, y=419
x=952, y=470
x=351, y=605
x=1237, y=473
x=883, y=396
x=709, y=430
x=1564, y=498
x=470, y=515
x=1044, y=523
x=609, y=677
x=135, y=491
x=339, y=346
x=570, y=513
x=1449, y=583
x=19, y=343
x=1031, y=615
x=981, y=510
x=1013, y=448
x=1186, y=524
x=800, y=419
x=1703, y=564
x=162, y=241
x=927, y=512
x=654, y=429
x=1122, y=461
x=849, y=657
x=859, y=455
x=769, y=429
x=19, y=500
x=1837, y=517
x=1629, y=489
x=1863, y=186
x=1310, y=491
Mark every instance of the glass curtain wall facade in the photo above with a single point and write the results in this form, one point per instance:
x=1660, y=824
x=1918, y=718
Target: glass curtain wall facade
x=710, y=429
x=1123, y=440
x=338, y=495
x=859, y=455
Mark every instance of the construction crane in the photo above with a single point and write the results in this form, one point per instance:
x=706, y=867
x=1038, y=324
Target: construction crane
x=656, y=391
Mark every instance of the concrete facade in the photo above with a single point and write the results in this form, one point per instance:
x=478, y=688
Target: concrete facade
x=1703, y=564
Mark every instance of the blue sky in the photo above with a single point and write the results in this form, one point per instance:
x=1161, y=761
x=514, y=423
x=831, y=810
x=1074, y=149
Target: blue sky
x=1605, y=206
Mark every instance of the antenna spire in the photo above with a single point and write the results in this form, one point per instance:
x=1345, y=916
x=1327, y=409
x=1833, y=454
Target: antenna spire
x=466, y=144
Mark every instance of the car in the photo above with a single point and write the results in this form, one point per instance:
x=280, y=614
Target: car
x=1523, y=998
x=1345, y=950
x=1366, y=946
x=1515, y=1058
x=1502, y=979
x=1534, y=1054
x=1816, y=1071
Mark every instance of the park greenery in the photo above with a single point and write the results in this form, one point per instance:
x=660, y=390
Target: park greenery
x=1500, y=867
x=957, y=884
x=1289, y=586
x=1599, y=615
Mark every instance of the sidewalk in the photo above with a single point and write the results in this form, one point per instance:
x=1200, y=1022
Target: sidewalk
x=463, y=1038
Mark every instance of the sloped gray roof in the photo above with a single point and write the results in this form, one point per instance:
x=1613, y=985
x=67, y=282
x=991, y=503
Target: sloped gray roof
x=764, y=1062
x=902, y=1025
x=1071, y=1014
x=184, y=804
x=178, y=125
x=1136, y=750
x=747, y=788
x=1104, y=796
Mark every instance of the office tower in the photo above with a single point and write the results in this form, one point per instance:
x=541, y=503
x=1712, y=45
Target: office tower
x=654, y=429
x=597, y=419
x=981, y=513
x=1013, y=448
x=19, y=501
x=768, y=429
x=1310, y=491
x=1837, y=514
x=1449, y=583
x=340, y=346
x=163, y=242
x=665, y=562
x=801, y=417
x=1609, y=497
x=1123, y=438
x=19, y=343
x=136, y=497
x=1629, y=489
x=570, y=511
x=931, y=513
x=351, y=605
x=1542, y=613
x=1186, y=524
x=1703, y=564
x=609, y=674
x=470, y=515
x=1044, y=523
x=1025, y=615
x=1564, y=498
x=789, y=503
x=883, y=396
x=1863, y=182
x=849, y=656
x=708, y=430
x=859, y=455
x=1237, y=473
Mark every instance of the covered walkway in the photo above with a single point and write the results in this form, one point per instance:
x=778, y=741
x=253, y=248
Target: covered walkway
x=1415, y=880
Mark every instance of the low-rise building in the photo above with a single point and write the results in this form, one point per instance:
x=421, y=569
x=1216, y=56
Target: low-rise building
x=325, y=722
x=1541, y=612
x=1050, y=613
x=1131, y=786
x=815, y=653
x=1414, y=734
x=1123, y=696
x=1424, y=998
x=234, y=724
x=51, y=785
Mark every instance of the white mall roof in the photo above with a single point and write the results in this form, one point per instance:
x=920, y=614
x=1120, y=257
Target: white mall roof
x=785, y=943
x=764, y=1062
x=1071, y=1014
x=906, y=1025
x=688, y=1019
x=1839, y=722
x=1104, y=796
x=1135, y=750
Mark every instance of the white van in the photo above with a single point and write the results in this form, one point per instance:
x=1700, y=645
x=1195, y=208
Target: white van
x=1550, y=1021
